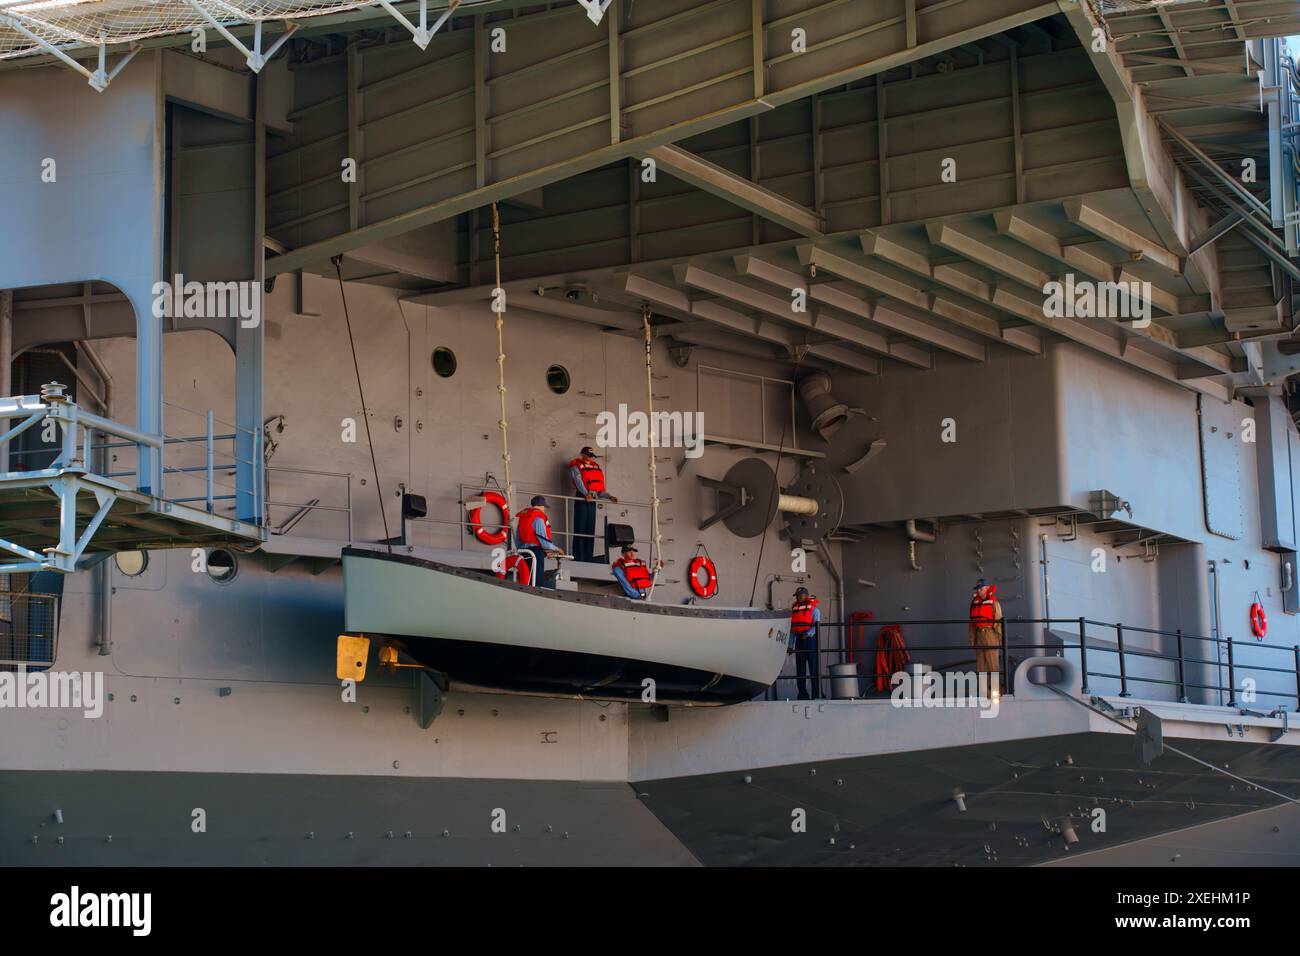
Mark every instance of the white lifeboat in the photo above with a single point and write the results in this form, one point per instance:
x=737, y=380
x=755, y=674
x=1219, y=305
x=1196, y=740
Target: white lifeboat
x=480, y=630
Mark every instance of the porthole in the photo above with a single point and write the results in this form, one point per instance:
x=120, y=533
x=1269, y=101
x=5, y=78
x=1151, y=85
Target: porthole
x=444, y=362
x=557, y=379
x=131, y=563
x=222, y=566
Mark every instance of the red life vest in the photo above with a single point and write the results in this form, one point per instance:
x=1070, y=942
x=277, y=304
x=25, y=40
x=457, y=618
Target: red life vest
x=801, y=615
x=525, y=528
x=593, y=479
x=983, y=611
x=637, y=572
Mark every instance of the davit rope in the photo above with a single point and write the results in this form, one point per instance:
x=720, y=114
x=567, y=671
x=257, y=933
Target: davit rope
x=499, y=307
x=657, y=554
x=365, y=415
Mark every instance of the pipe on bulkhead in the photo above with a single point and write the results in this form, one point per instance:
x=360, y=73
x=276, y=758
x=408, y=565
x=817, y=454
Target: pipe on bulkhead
x=104, y=583
x=773, y=578
x=1046, y=578
x=6, y=364
x=915, y=534
x=839, y=581
x=1205, y=474
x=1214, y=629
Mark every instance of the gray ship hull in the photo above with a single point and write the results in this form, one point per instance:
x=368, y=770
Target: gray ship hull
x=869, y=811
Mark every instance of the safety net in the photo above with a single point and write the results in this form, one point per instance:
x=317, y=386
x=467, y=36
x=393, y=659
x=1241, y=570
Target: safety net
x=71, y=24
x=1111, y=7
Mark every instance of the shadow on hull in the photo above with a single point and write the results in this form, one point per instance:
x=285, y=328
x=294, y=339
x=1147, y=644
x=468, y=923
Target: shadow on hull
x=570, y=674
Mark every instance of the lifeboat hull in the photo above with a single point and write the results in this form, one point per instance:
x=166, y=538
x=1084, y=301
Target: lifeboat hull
x=491, y=633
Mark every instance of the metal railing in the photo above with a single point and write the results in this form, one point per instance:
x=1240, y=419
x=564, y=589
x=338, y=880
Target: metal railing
x=76, y=442
x=1176, y=668
x=302, y=509
x=563, y=530
x=1284, y=153
x=763, y=382
x=68, y=462
x=29, y=629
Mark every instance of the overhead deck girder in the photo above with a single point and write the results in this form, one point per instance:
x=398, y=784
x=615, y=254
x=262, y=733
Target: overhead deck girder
x=1040, y=127
x=908, y=292
x=1205, y=72
x=565, y=97
x=896, y=293
x=964, y=266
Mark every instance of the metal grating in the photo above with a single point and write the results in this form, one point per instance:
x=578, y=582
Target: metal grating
x=29, y=632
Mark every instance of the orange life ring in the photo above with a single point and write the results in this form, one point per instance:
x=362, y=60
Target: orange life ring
x=709, y=587
x=475, y=522
x=518, y=567
x=1258, y=620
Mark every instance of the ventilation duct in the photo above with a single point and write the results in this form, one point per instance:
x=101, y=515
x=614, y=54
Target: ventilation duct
x=826, y=411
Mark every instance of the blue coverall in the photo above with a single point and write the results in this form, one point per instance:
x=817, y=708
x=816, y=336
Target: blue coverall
x=621, y=576
x=539, y=552
x=805, y=658
x=584, y=517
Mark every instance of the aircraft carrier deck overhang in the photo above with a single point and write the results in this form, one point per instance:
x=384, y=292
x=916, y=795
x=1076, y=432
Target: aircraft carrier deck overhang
x=889, y=202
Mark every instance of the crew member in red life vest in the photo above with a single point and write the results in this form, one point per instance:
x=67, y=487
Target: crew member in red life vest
x=804, y=618
x=985, y=630
x=588, y=484
x=534, y=534
x=633, y=574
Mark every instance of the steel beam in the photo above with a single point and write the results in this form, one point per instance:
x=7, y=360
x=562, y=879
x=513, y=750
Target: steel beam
x=967, y=304
x=98, y=78
x=830, y=66
x=1169, y=205
x=1078, y=258
x=1174, y=40
x=1034, y=282
x=954, y=308
x=749, y=196
x=6, y=367
x=422, y=33
x=615, y=79
x=677, y=301
x=837, y=296
x=595, y=9
x=1098, y=223
x=354, y=137
x=947, y=237
x=255, y=57
x=1209, y=66
x=250, y=342
x=529, y=300
x=1040, y=240
x=781, y=307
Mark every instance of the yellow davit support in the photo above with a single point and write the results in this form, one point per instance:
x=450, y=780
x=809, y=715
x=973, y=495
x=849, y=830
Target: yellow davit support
x=353, y=653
